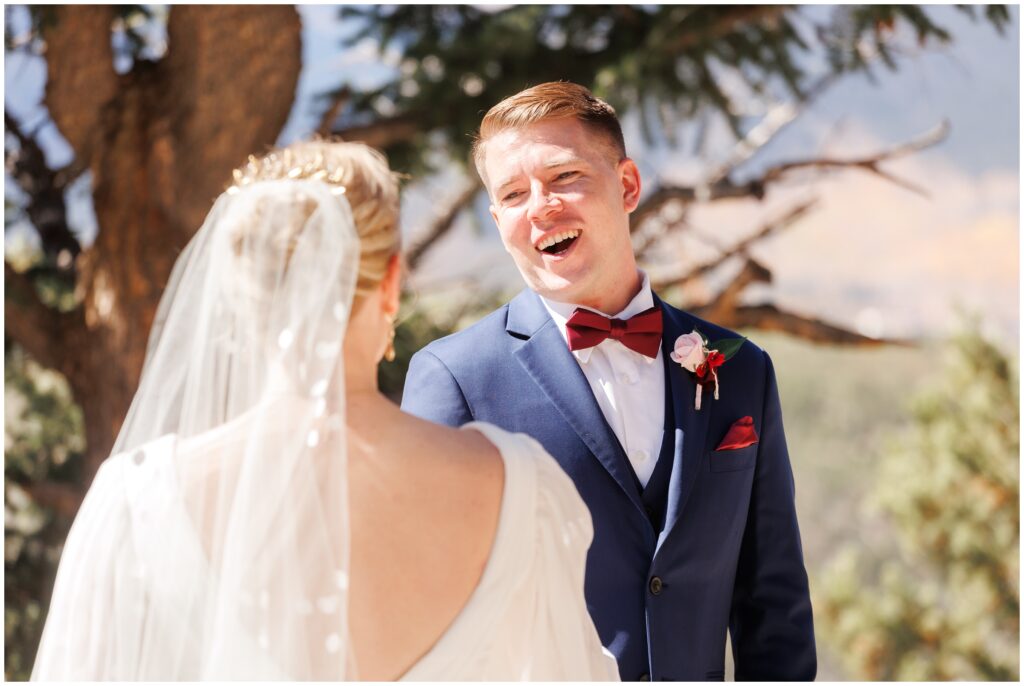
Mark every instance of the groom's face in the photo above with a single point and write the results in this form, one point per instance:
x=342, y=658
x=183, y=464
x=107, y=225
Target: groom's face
x=561, y=199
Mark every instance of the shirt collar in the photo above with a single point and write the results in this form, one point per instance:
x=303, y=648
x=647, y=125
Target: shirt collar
x=560, y=313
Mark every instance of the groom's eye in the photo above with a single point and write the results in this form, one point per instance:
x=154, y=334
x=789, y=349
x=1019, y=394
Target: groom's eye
x=511, y=196
x=566, y=175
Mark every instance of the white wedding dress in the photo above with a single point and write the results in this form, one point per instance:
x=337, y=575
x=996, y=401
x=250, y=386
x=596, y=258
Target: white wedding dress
x=526, y=620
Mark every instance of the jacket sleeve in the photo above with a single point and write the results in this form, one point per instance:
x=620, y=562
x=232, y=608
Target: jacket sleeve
x=771, y=627
x=432, y=392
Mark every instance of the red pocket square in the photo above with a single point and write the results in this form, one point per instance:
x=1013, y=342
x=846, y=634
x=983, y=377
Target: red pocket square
x=740, y=435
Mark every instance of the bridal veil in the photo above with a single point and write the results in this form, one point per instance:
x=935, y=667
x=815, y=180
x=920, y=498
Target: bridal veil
x=214, y=541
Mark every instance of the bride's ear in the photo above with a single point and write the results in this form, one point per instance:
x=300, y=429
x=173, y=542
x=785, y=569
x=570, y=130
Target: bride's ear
x=391, y=286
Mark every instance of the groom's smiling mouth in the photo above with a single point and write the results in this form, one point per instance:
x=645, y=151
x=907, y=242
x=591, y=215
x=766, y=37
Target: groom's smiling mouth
x=557, y=242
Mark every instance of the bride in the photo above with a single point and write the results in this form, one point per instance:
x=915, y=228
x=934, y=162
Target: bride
x=268, y=514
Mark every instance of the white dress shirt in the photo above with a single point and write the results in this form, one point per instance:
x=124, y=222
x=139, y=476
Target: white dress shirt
x=629, y=387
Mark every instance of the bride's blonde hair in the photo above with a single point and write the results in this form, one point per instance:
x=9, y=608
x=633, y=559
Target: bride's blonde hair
x=355, y=169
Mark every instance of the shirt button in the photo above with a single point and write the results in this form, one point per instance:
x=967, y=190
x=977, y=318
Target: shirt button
x=640, y=456
x=644, y=677
x=656, y=585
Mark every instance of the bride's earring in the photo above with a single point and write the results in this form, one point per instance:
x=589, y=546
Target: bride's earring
x=389, y=351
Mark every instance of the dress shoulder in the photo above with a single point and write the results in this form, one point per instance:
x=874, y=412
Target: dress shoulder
x=98, y=570
x=130, y=562
x=552, y=530
x=531, y=468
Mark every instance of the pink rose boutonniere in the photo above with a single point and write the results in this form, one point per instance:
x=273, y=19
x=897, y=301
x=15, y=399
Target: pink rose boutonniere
x=694, y=354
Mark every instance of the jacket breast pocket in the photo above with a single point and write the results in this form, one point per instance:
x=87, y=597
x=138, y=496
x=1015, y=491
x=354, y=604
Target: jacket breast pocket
x=732, y=460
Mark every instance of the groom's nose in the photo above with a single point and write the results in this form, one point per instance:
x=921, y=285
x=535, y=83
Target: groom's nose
x=542, y=204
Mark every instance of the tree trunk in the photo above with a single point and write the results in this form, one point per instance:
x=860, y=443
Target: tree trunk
x=161, y=142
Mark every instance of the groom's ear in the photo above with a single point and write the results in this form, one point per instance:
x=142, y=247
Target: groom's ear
x=629, y=176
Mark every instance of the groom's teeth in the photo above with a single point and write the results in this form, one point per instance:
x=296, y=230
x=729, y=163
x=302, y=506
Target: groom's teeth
x=557, y=238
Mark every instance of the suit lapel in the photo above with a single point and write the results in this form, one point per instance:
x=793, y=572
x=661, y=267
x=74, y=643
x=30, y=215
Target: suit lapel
x=548, y=361
x=691, y=425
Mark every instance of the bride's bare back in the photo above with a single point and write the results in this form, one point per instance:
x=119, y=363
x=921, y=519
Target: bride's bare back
x=425, y=502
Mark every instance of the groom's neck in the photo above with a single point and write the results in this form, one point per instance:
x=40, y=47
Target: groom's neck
x=610, y=301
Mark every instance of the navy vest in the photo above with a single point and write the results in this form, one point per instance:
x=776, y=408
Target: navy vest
x=655, y=495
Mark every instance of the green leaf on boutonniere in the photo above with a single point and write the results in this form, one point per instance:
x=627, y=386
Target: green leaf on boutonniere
x=727, y=346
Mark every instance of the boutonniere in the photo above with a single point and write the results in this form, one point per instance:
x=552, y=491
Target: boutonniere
x=694, y=354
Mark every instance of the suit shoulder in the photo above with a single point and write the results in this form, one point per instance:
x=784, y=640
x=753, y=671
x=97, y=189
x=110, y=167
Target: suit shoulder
x=474, y=337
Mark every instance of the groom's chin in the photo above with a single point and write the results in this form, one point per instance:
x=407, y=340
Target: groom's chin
x=560, y=293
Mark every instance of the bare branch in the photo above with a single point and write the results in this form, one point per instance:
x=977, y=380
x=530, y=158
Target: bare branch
x=443, y=223
x=43, y=331
x=652, y=231
x=768, y=317
x=338, y=103
x=766, y=130
x=383, y=133
x=728, y=299
x=791, y=217
x=869, y=163
x=723, y=190
x=787, y=220
x=725, y=310
x=757, y=188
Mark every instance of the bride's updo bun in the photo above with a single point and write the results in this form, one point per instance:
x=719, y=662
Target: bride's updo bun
x=355, y=169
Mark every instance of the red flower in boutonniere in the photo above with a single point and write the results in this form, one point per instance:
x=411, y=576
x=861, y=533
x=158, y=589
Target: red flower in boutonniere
x=694, y=354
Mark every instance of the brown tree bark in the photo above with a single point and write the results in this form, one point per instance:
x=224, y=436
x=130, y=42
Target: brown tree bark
x=161, y=142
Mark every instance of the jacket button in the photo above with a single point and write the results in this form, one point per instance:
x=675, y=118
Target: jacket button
x=656, y=585
x=644, y=677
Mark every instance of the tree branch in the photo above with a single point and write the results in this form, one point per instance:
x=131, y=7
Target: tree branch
x=43, y=331
x=723, y=190
x=727, y=301
x=443, y=223
x=768, y=317
x=716, y=185
x=338, y=102
x=869, y=163
x=757, y=188
x=774, y=226
x=763, y=133
x=383, y=133
x=725, y=310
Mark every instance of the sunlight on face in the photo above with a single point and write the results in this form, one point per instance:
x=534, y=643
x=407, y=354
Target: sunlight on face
x=562, y=202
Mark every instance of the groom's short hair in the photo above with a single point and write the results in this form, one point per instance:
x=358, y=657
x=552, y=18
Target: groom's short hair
x=552, y=100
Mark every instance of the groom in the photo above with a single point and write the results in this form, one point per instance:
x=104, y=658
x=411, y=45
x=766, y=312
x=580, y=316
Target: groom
x=695, y=530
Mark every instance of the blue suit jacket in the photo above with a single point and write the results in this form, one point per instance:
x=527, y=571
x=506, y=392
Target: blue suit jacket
x=729, y=556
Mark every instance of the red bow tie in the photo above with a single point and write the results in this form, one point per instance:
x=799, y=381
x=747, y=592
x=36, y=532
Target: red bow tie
x=640, y=333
